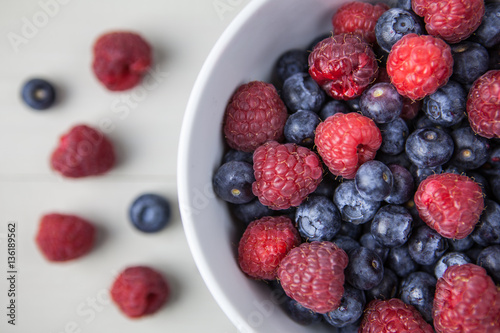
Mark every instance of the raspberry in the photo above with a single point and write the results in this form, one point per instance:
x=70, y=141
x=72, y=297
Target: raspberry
x=450, y=204
x=393, y=315
x=313, y=275
x=466, y=301
x=264, y=244
x=139, y=291
x=63, y=237
x=483, y=104
x=285, y=174
x=359, y=18
x=452, y=20
x=343, y=65
x=121, y=59
x=347, y=140
x=254, y=115
x=82, y=152
x=419, y=64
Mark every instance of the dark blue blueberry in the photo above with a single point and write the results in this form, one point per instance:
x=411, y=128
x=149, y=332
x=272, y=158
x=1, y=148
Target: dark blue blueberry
x=353, y=207
x=418, y=289
x=291, y=62
x=38, y=94
x=365, y=269
x=495, y=157
x=352, y=328
x=426, y=246
x=488, y=32
x=350, y=309
x=392, y=225
x=449, y=259
x=374, y=180
x=400, y=261
x=494, y=54
x=404, y=4
x=326, y=187
x=237, y=155
x=429, y=147
x=460, y=245
x=481, y=180
x=394, y=136
x=403, y=185
x=419, y=174
x=381, y=102
x=393, y=24
x=401, y=159
x=150, y=212
x=299, y=313
x=233, y=182
x=471, y=150
x=423, y=121
x=350, y=229
x=489, y=259
x=487, y=231
x=370, y=242
x=332, y=107
x=495, y=187
x=386, y=289
x=470, y=61
x=354, y=104
x=473, y=252
x=250, y=211
x=346, y=243
x=301, y=92
x=317, y=218
x=446, y=106
x=300, y=127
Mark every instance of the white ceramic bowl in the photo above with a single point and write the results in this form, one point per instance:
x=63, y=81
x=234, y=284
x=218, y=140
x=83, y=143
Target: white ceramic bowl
x=246, y=51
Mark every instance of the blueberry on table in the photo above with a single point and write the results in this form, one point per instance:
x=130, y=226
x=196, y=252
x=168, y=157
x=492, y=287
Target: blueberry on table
x=429, y=147
x=418, y=290
x=301, y=92
x=300, y=127
x=150, y=212
x=318, y=219
x=38, y=94
x=350, y=309
x=365, y=269
x=446, y=106
x=374, y=180
x=233, y=182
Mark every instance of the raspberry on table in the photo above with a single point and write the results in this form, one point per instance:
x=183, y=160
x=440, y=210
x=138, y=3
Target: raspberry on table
x=345, y=141
x=121, y=59
x=63, y=237
x=264, y=244
x=466, y=301
x=285, y=174
x=450, y=203
x=255, y=114
x=419, y=64
x=82, y=152
x=139, y=291
x=313, y=275
x=344, y=65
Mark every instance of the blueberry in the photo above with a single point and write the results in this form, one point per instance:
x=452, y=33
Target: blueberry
x=353, y=207
x=250, y=211
x=392, y=225
x=346, y=243
x=471, y=150
x=374, y=180
x=419, y=174
x=401, y=159
x=237, y=155
x=418, y=289
x=395, y=23
x=233, y=182
x=300, y=127
x=495, y=157
x=150, y=212
x=381, y=102
x=351, y=328
x=446, y=106
x=488, y=32
x=38, y=94
x=326, y=187
x=429, y=147
x=460, y=245
x=404, y=4
x=299, y=313
x=354, y=104
x=317, y=218
x=332, y=107
x=426, y=246
x=370, y=242
x=350, y=309
x=350, y=229
x=487, y=231
x=291, y=62
x=470, y=61
x=449, y=259
x=386, y=289
x=394, y=136
x=301, y=92
x=489, y=259
x=365, y=269
x=400, y=261
x=402, y=186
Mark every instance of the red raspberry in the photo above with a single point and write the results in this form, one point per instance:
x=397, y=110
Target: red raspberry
x=264, y=244
x=121, y=59
x=466, y=301
x=82, y=152
x=483, y=104
x=139, y=291
x=313, y=275
x=285, y=174
x=419, y=64
x=452, y=20
x=63, y=237
x=343, y=65
x=450, y=204
x=358, y=17
x=347, y=140
x=393, y=315
x=254, y=115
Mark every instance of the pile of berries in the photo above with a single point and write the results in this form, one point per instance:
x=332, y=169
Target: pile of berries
x=366, y=175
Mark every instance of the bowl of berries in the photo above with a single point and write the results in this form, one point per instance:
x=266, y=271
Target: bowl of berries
x=339, y=162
